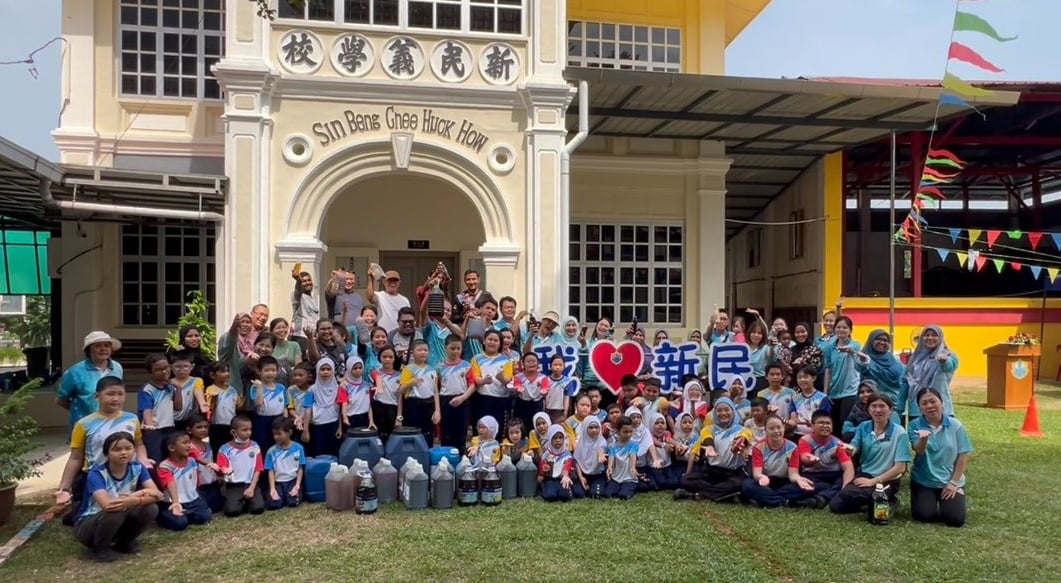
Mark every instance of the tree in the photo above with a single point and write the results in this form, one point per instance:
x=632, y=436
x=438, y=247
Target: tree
x=35, y=328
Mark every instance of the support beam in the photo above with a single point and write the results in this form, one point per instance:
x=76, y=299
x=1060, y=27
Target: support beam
x=753, y=120
x=917, y=157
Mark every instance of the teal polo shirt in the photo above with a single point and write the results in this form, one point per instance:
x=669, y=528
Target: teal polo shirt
x=935, y=467
x=878, y=453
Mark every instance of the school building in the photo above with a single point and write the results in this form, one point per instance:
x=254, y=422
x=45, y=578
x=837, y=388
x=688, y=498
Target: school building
x=587, y=156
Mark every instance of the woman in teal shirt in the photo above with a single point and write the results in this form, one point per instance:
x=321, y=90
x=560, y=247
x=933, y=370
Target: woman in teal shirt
x=932, y=365
x=841, y=372
x=941, y=450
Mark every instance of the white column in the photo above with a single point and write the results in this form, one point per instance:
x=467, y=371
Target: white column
x=711, y=171
x=76, y=135
x=547, y=27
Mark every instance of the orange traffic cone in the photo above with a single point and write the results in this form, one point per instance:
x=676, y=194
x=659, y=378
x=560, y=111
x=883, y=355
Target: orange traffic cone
x=1031, y=420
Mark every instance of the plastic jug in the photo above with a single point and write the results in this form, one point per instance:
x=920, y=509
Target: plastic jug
x=468, y=487
x=442, y=486
x=407, y=442
x=462, y=465
x=437, y=454
x=443, y=464
x=490, y=493
x=348, y=488
x=316, y=470
x=527, y=477
x=363, y=443
x=367, y=501
x=386, y=477
x=416, y=488
x=402, y=473
x=333, y=488
x=509, y=481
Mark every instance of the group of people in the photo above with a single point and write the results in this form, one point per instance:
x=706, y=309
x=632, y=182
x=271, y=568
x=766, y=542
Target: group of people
x=821, y=426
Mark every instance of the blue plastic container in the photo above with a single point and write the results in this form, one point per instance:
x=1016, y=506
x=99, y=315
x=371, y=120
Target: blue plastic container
x=408, y=442
x=361, y=443
x=450, y=453
x=316, y=469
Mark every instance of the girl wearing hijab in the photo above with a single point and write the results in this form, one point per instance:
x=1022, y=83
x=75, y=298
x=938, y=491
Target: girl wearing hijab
x=932, y=365
x=538, y=435
x=716, y=467
x=485, y=451
x=358, y=390
x=554, y=470
x=876, y=362
x=646, y=454
x=686, y=435
x=697, y=336
x=590, y=460
x=325, y=404
x=694, y=404
x=601, y=331
x=663, y=446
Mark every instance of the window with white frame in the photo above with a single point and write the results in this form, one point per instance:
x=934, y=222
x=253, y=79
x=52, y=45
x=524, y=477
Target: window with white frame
x=624, y=46
x=161, y=264
x=489, y=16
x=168, y=47
x=623, y=271
x=12, y=305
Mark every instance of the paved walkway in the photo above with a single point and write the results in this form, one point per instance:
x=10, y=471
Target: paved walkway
x=53, y=448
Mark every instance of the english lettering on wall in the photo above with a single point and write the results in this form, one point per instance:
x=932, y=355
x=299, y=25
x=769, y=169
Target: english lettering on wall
x=423, y=122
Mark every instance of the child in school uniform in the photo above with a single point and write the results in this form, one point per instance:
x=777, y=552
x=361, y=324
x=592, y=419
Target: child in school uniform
x=182, y=364
x=358, y=389
x=742, y=405
x=299, y=400
x=756, y=423
x=538, y=435
x=178, y=475
x=595, y=398
x=419, y=386
x=660, y=477
x=514, y=445
x=693, y=403
x=622, y=462
x=574, y=422
x=591, y=459
x=531, y=387
x=456, y=386
x=779, y=398
x=685, y=438
x=554, y=470
x=156, y=404
x=241, y=463
x=562, y=388
x=807, y=400
x=224, y=401
x=387, y=394
x=610, y=426
x=646, y=454
x=285, y=463
x=485, y=451
x=652, y=399
x=270, y=401
x=209, y=485
x=325, y=401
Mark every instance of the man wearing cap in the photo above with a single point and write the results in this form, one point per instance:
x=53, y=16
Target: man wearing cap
x=543, y=333
x=389, y=302
x=77, y=389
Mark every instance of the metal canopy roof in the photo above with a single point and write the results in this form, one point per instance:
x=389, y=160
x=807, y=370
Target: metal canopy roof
x=24, y=174
x=773, y=129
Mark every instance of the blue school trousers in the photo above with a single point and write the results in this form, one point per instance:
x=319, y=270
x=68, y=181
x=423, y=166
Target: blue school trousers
x=417, y=413
x=661, y=478
x=552, y=491
x=323, y=440
x=194, y=512
x=211, y=494
x=778, y=493
x=287, y=497
x=262, y=431
x=595, y=484
x=524, y=411
x=647, y=481
x=454, y=423
x=620, y=490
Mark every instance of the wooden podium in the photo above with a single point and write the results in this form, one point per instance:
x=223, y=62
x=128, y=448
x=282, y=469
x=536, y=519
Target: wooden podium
x=1011, y=374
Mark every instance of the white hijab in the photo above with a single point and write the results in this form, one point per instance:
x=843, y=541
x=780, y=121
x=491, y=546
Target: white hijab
x=586, y=449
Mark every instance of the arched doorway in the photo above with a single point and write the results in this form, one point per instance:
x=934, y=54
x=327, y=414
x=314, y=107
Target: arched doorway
x=410, y=222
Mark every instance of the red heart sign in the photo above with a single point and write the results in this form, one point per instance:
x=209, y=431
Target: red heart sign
x=610, y=362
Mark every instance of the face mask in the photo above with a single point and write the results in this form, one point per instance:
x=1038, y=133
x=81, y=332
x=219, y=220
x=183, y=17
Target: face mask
x=239, y=441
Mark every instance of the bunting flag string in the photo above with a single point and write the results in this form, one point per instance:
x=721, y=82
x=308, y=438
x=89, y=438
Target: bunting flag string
x=1040, y=244
x=941, y=166
x=975, y=260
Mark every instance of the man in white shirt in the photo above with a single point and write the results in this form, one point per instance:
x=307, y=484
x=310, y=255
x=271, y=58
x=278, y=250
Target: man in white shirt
x=388, y=302
x=305, y=309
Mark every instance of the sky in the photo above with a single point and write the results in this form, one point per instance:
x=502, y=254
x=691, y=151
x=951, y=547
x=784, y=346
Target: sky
x=791, y=38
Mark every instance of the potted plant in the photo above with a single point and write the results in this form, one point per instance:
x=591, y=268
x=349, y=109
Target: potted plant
x=16, y=429
x=35, y=333
x=196, y=315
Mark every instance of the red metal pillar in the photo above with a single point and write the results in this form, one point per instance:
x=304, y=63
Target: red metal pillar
x=1037, y=202
x=917, y=163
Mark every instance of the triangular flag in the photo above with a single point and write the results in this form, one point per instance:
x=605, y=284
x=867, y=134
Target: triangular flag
x=1057, y=240
x=980, y=261
x=992, y=236
x=960, y=52
x=962, y=257
x=946, y=98
x=943, y=253
x=1052, y=272
x=1036, y=270
x=1015, y=234
x=974, y=234
x=954, y=234
x=1016, y=265
x=964, y=21
x=1034, y=239
x=939, y=155
x=931, y=191
x=999, y=264
x=956, y=85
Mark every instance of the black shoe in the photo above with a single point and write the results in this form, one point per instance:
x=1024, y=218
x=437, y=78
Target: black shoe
x=683, y=494
x=130, y=548
x=105, y=555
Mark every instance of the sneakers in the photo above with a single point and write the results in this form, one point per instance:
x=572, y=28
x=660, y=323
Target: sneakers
x=130, y=548
x=683, y=494
x=814, y=502
x=104, y=555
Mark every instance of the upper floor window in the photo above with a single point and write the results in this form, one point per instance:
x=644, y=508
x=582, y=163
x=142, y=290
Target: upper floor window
x=161, y=265
x=168, y=47
x=624, y=46
x=490, y=16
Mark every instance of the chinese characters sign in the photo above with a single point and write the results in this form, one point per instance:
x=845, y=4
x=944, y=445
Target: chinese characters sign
x=670, y=363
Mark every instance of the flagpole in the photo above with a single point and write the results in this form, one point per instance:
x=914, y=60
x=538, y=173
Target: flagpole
x=891, y=247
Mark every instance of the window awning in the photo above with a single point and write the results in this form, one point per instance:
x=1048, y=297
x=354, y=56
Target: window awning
x=773, y=129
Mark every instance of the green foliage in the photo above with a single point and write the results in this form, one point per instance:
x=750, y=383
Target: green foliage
x=35, y=328
x=16, y=430
x=10, y=355
x=197, y=315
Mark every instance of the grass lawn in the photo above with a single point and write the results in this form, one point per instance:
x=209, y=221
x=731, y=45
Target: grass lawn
x=1014, y=525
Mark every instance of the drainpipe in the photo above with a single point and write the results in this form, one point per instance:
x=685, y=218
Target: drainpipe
x=136, y=211
x=564, y=279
